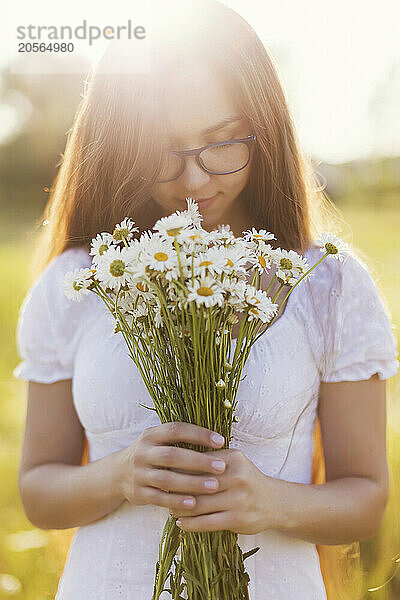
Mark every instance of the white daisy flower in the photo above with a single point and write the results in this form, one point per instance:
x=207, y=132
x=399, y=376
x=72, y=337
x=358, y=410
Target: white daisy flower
x=205, y=291
x=124, y=231
x=290, y=265
x=76, y=282
x=333, y=245
x=259, y=303
x=100, y=244
x=262, y=258
x=222, y=236
x=193, y=211
x=286, y=277
x=172, y=225
x=112, y=267
x=158, y=253
x=173, y=273
x=227, y=404
x=140, y=287
x=236, y=257
x=126, y=302
x=192, y=238
x=212, y=261
x=263, y=309
x=261, y=313
x=220, y=384
x=133, y=251
x=234, y=290
x=257, y=236
x=140, y=311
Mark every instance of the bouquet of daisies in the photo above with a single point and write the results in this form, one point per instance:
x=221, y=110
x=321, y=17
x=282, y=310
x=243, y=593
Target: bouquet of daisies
x=175, y=294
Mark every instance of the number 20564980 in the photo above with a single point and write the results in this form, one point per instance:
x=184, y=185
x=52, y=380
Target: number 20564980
x=43, y=47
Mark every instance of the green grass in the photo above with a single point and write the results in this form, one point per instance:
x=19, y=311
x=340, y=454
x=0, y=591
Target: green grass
x=31, y=563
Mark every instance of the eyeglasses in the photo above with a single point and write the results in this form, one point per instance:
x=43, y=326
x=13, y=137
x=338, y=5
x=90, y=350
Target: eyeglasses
x=220, y=158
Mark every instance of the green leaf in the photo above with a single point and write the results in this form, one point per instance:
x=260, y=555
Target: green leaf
x=250, y=552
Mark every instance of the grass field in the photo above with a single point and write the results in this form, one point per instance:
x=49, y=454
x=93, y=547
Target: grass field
x=31, y=560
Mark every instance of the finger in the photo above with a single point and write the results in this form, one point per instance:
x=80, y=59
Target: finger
x=205, y=504
x=213, y=522
x=179, y=482
x=175, y=502
x=187, y=460
x=177, y=431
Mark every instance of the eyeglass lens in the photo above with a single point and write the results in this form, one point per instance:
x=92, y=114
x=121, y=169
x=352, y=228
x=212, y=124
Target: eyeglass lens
x=218, y=159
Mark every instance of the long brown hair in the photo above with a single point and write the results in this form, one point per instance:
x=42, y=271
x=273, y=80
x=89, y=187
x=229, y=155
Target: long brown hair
x=114, y=149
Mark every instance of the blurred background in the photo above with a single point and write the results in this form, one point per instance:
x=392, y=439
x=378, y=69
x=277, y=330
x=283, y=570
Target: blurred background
x=340, y=66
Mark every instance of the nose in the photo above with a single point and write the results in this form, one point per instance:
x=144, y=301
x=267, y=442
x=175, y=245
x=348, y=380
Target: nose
x=193, y=177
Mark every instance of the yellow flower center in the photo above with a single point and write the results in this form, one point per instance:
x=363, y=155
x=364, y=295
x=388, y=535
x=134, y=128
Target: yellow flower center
x=142, y=286
x=206, y=263
x=254, y=300
x=262, y=261
x=286, y=263
x=205, y=291
x=254, y=310
x=117, y=267
x=229, y=262
x=331, y=248
x=121, y=233
x=174, y=232
x=161, y=256
x=195, y=236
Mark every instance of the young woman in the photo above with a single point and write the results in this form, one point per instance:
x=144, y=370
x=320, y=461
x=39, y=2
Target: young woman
x=325, y=360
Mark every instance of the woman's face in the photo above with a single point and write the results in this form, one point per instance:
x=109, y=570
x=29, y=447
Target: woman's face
x=196, y=102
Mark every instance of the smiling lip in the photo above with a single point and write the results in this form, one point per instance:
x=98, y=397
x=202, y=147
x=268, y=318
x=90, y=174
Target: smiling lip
x=204, y=203
x=204, y=199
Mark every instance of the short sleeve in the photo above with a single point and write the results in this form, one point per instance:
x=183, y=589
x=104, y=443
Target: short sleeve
x=360, y=328
x=48, y=323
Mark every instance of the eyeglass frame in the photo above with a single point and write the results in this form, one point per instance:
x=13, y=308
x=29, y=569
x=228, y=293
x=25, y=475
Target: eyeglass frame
x=195, y=152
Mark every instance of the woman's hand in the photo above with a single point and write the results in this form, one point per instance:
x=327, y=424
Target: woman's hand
x=149, y=468
x=247, y=501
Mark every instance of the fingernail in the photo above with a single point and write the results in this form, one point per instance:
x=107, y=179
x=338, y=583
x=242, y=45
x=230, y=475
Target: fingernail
x=217, y=439
x=219, y=465
x=211, y=484
x=188, y=502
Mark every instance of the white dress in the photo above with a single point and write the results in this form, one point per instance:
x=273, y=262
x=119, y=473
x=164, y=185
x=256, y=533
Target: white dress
x=334, y=328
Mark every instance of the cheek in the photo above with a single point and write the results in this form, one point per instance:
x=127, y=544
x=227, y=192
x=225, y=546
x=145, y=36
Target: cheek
x=164, y=199
x=235, y=182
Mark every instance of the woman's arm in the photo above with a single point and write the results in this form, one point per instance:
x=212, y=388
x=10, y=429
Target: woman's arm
x=56, y=491
x=351, y=504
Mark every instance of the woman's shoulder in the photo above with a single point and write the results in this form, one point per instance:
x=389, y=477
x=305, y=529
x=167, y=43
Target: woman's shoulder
x=46, y=296
x=344, y=284
x=49, y=323
x=49, y=282
x=71, y=258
